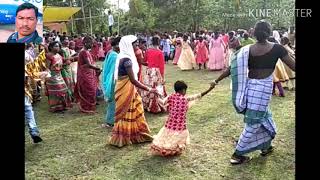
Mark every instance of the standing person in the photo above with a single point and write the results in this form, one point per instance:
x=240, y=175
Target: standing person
x=174, y=136
x=166, y=47
x=246, y=40
x=291, y=74
x=177, y=49
x=28, y=111
x=73, y=65
x=225, y=38
x=66, y=69
x=292, y=37
x=110, y=22
x=216, y=53
x=251, y=73
x=97, y=52
x=30, y=56
x=279, y=75
x=154, y=78
x=26, y=24
x=130, y=123
x=107, y=45
x=86, y=87
x=234, y=45
x=78, y=43
x=186, y=60
x=201, y=53
x=108, y=83
x=29, y=117
x=234, y=42
x=59, y=98
x=139, y=51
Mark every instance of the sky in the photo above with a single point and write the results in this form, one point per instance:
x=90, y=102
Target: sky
x=124, y=4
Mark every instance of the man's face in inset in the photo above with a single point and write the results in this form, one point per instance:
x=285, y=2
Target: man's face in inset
x=26, y=22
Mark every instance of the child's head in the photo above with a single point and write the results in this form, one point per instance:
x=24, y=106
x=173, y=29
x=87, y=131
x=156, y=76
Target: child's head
x=180, y=87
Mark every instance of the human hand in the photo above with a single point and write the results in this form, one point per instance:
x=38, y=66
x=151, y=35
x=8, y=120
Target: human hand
x=213, y=84
x=153, y=90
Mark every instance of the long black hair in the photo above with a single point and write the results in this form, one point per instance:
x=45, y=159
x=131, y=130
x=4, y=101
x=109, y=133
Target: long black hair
x=179, y=86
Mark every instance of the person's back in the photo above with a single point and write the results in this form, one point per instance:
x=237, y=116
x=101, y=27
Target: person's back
x=252, y=96
x=154, y=58
x=263, y=59
x=166, y=45
x=177, y=108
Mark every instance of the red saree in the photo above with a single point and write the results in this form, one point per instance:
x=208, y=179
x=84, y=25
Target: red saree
x=86, y=87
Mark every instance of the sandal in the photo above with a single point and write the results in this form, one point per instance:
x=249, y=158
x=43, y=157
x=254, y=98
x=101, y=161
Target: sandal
x=106, y=125
x=235, y=159
x=267, y=151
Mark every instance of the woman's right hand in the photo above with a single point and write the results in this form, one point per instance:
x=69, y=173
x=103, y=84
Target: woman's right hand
x=153, y=90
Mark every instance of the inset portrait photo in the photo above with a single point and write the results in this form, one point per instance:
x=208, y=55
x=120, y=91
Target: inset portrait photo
x=21, y=22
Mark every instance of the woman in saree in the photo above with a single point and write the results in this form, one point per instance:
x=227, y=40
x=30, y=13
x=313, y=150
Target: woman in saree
x=86, y=86
x=279, y=75
x=108, y=83
x=139, y=51
x=130, y=124
x=57, y=90
x=251, y=73
x=66, y=71
x=154, y=78
x=291, y=83
x=234, y=44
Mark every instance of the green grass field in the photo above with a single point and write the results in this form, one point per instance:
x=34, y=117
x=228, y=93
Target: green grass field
x=75, y=145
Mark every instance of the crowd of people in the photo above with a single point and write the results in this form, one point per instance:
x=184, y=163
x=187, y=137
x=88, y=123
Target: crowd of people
x=71, y=76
